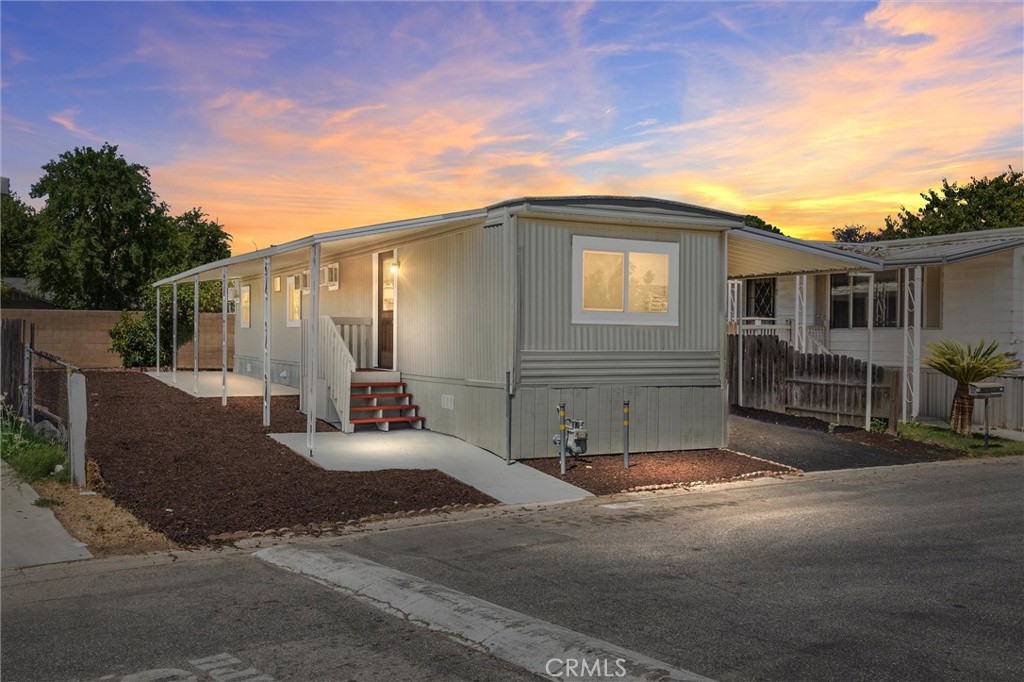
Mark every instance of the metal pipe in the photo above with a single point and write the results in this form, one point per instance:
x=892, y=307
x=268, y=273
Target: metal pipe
x=625, y=434
x=266, y=341
x=562, y=435
x=314, y=329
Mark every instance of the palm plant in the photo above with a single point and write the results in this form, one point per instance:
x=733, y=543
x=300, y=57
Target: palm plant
x=966, y=364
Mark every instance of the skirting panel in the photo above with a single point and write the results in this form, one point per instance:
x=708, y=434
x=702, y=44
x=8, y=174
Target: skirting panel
x=661, y=418
x=286, y=373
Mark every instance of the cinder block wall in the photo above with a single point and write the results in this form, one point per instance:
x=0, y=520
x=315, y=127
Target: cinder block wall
x=82, y=337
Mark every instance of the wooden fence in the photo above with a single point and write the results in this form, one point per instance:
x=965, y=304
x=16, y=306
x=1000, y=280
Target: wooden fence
x=12, y=361
x=832, y=388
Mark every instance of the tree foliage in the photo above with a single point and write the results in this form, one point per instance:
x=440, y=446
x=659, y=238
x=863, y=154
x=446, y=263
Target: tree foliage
x=983, y=204
x=853, y=234
x=104, y=236
x=760, y=224
x=965, y=364
x=17, y=234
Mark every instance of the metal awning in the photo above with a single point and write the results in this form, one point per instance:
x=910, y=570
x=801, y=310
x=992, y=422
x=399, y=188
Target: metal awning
x=757, y=253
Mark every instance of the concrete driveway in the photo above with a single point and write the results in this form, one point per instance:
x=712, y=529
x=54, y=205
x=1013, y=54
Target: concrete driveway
x=805, y=449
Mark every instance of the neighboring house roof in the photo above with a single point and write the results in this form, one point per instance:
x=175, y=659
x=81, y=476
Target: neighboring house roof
x=23, y=293
x=937, y=249
x=768, y=253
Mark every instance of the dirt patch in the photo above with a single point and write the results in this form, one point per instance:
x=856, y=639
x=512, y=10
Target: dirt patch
x=104, y=527
x=926, y=452
x=604, y=474
x=190, y=468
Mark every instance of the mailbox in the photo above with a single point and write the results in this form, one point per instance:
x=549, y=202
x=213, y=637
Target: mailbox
x=985, y=389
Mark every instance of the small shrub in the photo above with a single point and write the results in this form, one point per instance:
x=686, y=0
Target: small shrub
x=134, y=340
x=47, y=502
x=32, y=457
x=832, y=427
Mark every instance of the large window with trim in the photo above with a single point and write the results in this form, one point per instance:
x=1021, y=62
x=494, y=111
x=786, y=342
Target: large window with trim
x=849, y=296
x=624, y=281
x=245, y=303
x=294, y=301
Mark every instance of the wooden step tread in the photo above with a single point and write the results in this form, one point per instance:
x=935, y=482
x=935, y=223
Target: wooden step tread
x=386, y=420
x=374, y=408
x=377, y=384
x=367, y=396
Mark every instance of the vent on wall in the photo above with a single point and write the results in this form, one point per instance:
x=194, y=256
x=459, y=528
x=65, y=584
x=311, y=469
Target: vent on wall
x=447, y=402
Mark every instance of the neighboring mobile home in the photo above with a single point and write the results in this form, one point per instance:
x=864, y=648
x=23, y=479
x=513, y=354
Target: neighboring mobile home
x=478, y=323
x=972, y=288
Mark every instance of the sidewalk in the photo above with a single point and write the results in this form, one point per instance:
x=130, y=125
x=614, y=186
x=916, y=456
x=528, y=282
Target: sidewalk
x=31, y=535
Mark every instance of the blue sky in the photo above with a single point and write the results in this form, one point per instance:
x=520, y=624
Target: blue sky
x=281, y=119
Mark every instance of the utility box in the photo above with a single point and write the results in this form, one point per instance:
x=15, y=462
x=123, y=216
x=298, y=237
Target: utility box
x=985, y=389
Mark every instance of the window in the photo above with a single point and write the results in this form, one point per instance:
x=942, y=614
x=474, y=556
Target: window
x=294, y=302
x=624, y=281
x=277, y=283
x=304, y=281
x=850, y=299
x=329, y=276
x=761, y=298
x=245, y=304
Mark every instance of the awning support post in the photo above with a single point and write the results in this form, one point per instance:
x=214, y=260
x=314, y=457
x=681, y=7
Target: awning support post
x=266, y=340
x=314, y=330
x=742, y=305
x=174, y=333
x=915, y=405
x=158, y=330
x=871, y=336
x=224, y=337
x=195, y=337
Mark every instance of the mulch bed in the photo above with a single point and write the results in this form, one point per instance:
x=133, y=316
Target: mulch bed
x=192, y=469
x=925, y=452
x=604, y=474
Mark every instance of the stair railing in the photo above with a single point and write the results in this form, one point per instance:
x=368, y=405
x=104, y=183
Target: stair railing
x=336, y=366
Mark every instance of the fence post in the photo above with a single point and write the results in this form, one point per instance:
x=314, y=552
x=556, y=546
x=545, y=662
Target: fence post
x=77, y=418
x=26, y=372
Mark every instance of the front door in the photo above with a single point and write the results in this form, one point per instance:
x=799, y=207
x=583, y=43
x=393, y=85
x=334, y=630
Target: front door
x=386, y=309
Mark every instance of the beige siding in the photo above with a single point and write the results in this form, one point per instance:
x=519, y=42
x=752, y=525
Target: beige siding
x=546, y=286
x=978, y=302
x=452, y=322
x=353, y=298
x=477, y=416
x=649, y=368
x=661, y=418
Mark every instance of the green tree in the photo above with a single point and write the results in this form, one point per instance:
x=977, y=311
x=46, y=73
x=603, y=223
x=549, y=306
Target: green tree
x=102, y=234
x=983, y=204
x=855, y=234
x=754, y=221
x=17, y=234
x=966, y=364
x=199, y=240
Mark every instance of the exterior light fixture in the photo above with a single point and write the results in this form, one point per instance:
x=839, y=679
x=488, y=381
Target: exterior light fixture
x=394, y=268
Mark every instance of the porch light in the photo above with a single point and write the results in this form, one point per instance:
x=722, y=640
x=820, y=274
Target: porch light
x=394, y=268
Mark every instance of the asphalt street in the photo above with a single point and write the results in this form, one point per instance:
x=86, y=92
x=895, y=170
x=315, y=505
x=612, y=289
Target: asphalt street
x=897, y=573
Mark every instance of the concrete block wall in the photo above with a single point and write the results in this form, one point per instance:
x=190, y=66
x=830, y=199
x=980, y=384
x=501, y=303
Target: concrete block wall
x=82, y=337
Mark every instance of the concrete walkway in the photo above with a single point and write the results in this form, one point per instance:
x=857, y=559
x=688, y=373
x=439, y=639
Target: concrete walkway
x=209, y=385
x=421, y=449
x=31, y=535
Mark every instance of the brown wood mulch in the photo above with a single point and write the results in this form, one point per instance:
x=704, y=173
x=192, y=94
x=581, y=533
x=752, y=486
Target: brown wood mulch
x=605, y=475
x=192, y=469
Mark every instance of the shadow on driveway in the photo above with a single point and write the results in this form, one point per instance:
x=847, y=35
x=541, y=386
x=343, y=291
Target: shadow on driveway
x=805, y=449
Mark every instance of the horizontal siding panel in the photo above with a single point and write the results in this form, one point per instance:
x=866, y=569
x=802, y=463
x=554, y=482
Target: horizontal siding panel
x=583, y=368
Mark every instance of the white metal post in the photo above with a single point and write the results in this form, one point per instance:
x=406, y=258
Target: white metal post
x=742, y=301
x=158, y=330
x=906, y=341
x=918, y=306
x=195, y=336
x=174, y=332
x=224, y=336
x=871, y=335
x=266, y=340
x=314, y=329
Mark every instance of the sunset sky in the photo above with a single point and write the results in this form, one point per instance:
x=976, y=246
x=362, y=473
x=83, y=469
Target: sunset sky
x=283, y=119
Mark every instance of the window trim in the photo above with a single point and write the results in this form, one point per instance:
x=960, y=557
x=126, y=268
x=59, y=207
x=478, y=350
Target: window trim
x=670, y=318
x=245, y=306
